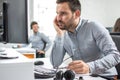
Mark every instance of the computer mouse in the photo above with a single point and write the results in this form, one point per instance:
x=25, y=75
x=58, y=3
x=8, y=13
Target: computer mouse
x=38, y=63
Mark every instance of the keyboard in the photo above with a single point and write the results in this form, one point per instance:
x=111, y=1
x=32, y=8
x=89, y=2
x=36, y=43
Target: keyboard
x=41, y=72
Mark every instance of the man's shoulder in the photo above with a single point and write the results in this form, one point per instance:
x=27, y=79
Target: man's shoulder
x=92, y=23
x=93, y=26
x=40, y=33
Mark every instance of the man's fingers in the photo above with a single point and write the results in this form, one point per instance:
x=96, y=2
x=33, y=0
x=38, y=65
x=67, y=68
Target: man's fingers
x=79, y=67
x=75, y=62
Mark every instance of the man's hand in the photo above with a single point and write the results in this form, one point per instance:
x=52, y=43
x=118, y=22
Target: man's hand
x=41, y=52
x=79, y=67
x=59, y=31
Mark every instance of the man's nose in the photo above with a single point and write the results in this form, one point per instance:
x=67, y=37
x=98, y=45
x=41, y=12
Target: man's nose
x=59, y=18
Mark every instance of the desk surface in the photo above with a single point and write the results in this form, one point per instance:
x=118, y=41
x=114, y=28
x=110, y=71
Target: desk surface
x=47, y=64
x=13, y=53
x=77, y=78
x=23, y=68
x=20, y=68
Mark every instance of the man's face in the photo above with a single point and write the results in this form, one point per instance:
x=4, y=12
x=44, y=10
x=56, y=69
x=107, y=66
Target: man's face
x=35, y=28
x=65, y=17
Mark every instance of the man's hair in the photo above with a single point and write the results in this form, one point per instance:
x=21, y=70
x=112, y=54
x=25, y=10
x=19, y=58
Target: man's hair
x=73, y=4
x=33, y=23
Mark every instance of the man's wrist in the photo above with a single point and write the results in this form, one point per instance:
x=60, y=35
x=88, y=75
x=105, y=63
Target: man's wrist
x=89, y=68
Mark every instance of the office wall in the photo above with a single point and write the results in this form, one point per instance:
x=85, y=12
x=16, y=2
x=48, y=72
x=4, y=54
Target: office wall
x=17, y=21
x=104, y=11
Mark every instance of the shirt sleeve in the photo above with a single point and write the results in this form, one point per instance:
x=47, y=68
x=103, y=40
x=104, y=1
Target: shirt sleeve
x=46, y=41
x=107, y=47
x=58, y=52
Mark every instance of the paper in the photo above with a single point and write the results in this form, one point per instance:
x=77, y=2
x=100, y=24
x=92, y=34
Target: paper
x=4, y=55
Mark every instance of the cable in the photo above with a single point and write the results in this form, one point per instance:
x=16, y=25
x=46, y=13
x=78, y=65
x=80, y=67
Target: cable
x=105, y=77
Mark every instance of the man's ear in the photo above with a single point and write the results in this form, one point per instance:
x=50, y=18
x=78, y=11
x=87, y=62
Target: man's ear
x=77, y=13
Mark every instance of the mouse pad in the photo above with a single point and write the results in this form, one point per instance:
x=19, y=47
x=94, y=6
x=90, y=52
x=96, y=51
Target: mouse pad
x=41, y=72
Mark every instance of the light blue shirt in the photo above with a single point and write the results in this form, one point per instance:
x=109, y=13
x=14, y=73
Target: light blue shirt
x=38, y=41
x=91, y=43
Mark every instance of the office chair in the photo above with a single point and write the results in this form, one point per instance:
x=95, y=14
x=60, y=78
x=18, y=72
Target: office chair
x=41, y=55
x=116, y=39
x=115, y=33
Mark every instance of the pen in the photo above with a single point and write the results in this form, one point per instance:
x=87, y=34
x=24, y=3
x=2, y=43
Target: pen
x=105, y=77
x=62, y=67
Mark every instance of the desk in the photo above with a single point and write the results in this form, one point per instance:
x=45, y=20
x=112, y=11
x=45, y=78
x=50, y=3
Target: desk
x=20, y=68
x=47, y=64
x=28, y=52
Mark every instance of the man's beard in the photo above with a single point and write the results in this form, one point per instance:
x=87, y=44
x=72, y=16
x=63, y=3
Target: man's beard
x=60, y=23
x=70, y=24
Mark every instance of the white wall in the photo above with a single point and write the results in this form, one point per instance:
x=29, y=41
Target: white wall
x=105, y=11
x=44, y=13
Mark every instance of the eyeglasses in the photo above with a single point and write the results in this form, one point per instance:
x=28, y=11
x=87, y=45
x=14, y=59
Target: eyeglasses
x=57, y=68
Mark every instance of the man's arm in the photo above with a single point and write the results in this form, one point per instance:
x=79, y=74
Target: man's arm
x=106, y=45
x=58, y=52
x=47, y=42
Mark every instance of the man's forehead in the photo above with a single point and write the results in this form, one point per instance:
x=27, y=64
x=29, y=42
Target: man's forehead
x=62, y=7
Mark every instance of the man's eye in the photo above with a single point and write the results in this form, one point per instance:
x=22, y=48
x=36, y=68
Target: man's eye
x=63, y=13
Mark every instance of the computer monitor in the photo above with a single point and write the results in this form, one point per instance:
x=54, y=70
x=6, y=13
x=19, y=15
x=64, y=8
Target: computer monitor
x=3, y=22
x=13, y=21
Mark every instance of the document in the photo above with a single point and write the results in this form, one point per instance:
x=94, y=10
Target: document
x=4, y=55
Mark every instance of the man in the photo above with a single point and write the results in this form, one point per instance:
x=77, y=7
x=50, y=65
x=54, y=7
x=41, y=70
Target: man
x=39, y=41
x=87, y=42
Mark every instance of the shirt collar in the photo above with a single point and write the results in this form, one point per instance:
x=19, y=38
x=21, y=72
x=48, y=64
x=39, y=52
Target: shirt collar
x=36, y=33
x=79, y=25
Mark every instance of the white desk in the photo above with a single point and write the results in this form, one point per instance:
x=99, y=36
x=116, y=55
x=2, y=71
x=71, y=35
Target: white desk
x=20, y=68
x=47, y=64
x=9, y=45
x=28, y=52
